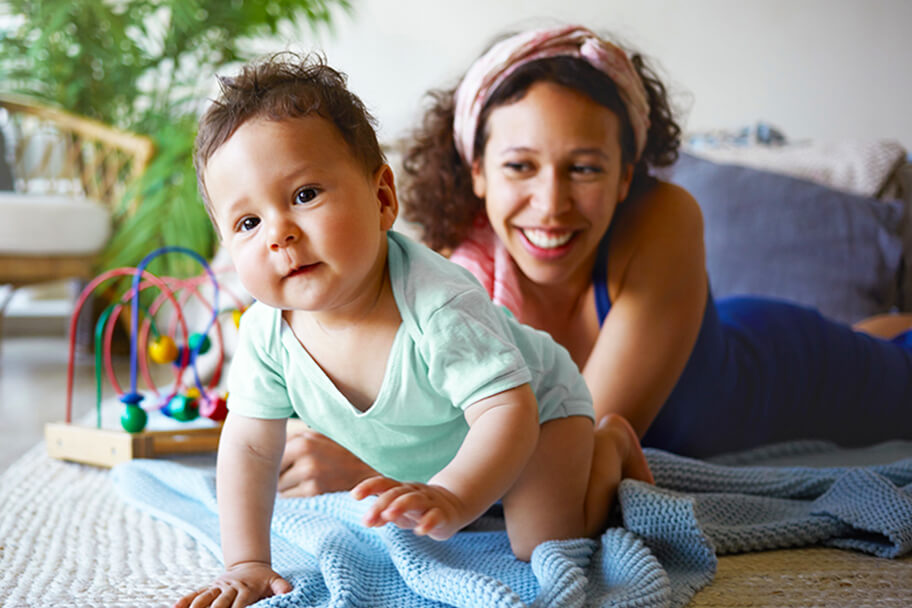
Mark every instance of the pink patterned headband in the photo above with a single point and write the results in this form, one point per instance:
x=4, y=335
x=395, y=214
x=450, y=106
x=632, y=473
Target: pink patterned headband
x=490, y=70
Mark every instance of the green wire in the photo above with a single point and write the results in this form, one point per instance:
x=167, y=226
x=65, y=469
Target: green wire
x=99, y=331
x=99, y=336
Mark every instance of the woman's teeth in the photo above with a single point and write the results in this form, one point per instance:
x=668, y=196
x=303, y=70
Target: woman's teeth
x=547, y=239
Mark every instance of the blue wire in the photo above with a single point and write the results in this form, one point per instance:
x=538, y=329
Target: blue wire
x=134, y=322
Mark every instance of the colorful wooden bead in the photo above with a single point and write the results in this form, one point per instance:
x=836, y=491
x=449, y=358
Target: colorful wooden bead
x=199, y=343
x=163, y=350
x=182, y=407
x=133, y=419
x=214, y=408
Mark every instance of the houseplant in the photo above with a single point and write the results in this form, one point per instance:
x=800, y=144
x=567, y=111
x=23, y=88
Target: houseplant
x=146, y=66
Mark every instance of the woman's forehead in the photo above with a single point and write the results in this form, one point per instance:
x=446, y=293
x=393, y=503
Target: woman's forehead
x=552, y=113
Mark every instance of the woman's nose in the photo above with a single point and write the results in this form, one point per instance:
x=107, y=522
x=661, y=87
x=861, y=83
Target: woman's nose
x=283, y=233
x=551, y=195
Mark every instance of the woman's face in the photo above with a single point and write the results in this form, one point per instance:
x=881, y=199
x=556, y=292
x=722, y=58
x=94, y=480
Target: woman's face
x=551, y=178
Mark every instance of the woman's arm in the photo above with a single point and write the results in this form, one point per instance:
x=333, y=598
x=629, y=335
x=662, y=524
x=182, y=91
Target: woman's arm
x=658, y=289
x=314, y=464
x=503, y=434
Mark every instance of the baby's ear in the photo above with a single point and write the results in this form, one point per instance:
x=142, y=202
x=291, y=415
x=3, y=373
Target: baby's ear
x=385, y=184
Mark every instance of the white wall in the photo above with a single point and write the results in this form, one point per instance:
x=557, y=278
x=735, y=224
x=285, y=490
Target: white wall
x=815, y=68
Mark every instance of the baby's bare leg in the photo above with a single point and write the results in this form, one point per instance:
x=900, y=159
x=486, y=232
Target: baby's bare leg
x=569, y=484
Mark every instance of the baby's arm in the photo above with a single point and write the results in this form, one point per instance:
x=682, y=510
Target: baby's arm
x=250, y=450
x=502, y=436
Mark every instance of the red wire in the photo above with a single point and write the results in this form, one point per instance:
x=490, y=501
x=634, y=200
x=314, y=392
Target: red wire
x=80, y=301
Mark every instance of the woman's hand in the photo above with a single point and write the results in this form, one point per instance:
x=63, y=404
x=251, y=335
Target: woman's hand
x=618, y=454
x=427, y=509
x=314, y=464
x=241, y=585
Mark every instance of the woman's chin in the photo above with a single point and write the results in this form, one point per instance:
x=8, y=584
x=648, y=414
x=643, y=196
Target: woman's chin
x=554, y=269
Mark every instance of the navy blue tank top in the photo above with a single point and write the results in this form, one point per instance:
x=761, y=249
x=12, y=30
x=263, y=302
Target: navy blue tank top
x=764, y=370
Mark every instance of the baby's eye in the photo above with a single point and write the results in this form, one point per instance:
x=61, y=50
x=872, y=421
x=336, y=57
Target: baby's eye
x=248, y=223
x=305, y=195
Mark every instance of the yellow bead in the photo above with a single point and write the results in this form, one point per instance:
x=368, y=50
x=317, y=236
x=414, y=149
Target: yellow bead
x=236, y=317
x=163, y=350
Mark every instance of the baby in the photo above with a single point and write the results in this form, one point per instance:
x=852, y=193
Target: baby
x=377, y=342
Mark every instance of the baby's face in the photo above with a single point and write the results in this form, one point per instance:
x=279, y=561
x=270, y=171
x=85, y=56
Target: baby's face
x=304, y=223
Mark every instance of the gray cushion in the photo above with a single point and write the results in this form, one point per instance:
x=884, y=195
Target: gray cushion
x=773, y=235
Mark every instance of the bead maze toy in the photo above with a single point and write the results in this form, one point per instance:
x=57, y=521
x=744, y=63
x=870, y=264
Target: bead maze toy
x=182, y=419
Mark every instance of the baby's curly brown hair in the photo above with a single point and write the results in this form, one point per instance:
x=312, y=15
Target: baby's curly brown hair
x=438, y=190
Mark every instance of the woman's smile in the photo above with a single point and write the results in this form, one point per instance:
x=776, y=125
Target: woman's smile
x=547, y=243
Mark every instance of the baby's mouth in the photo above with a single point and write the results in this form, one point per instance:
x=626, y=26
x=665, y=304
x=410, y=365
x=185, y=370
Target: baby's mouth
x=302, y=269
x=547, y=239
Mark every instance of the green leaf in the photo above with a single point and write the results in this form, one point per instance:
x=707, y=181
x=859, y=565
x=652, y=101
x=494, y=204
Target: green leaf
x=113, y=61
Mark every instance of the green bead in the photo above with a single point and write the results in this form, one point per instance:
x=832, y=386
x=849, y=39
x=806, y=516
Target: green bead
x=183, y=408
x=202, y=340
x=133, y=419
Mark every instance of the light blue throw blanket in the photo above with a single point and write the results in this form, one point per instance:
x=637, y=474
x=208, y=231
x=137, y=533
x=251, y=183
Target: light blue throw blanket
x=664, y=553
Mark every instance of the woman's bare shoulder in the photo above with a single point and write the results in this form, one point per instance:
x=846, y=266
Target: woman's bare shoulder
x=662, y=214
x=664, y=202
x=660, y=233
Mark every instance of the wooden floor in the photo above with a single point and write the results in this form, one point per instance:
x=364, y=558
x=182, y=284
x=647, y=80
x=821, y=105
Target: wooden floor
x=32, y=389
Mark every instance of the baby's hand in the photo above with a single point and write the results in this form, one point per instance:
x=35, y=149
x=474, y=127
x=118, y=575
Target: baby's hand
x=241, y=585
x=426, y=509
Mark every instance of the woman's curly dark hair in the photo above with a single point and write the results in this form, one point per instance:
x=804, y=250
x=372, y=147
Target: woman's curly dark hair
x=437, y=192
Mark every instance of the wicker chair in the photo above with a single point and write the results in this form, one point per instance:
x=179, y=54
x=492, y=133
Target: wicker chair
x=54, y=152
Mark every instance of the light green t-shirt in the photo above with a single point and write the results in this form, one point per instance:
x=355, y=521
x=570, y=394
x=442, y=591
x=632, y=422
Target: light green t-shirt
x=453, y=348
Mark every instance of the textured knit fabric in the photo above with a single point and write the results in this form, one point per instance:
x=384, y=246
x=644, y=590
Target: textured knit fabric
x=453, y=348
x=665, y=552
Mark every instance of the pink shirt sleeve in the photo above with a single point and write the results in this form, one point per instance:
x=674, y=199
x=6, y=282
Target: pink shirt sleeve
x=482, y=254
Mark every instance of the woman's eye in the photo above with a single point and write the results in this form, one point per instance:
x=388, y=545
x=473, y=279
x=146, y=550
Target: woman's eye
x=516, y=166
x=248, y=223
x=305, y=195
x=585, y=169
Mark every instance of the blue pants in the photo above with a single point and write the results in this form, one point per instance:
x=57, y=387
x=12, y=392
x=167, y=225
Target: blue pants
x=764, y=371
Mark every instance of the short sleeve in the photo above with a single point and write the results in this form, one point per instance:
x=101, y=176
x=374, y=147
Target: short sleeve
x=256, y=383
x=469, y=351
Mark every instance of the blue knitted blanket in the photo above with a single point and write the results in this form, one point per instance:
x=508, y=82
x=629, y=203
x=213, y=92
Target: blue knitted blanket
x=660, y=554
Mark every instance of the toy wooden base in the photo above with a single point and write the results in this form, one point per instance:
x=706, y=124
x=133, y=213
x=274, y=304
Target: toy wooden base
x=108, y=447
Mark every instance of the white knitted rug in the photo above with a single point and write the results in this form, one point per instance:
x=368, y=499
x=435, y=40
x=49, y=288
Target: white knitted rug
x=67, y=539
